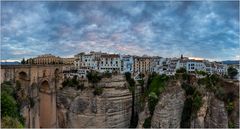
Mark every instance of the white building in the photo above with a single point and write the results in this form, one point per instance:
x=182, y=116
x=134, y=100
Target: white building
x=208, y=67
x=126, y=63
x=221, y=68
x=110, y=63
x=193, y=65
x=173, y=65
x=98, y=61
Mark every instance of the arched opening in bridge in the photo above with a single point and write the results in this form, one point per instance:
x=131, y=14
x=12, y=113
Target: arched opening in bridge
x=46, y=104
x=23, y=75
x=23, y=81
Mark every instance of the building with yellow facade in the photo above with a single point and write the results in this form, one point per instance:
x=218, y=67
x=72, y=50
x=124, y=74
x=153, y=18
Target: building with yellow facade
x=142, y=64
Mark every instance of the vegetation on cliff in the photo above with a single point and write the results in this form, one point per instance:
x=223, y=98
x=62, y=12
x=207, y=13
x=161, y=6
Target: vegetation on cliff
x=232, y=72
x=10, y=107
x=192, y=104
x=210, y=83
x=73, y=82
x=156, y=85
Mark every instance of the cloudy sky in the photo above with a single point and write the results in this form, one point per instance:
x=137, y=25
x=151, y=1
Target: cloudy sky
x=198, y=29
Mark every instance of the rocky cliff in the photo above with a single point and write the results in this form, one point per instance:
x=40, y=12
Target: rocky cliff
x=168, y=111
x=143, y=116
x=82, y=109
x=212, y=113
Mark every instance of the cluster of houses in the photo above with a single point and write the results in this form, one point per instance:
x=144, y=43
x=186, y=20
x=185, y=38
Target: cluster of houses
x=116, y=63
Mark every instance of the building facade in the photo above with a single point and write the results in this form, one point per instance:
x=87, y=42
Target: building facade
x=193, y=65
x=126, y=63
x=68, y=61
x=45, y=59
x=142, y=64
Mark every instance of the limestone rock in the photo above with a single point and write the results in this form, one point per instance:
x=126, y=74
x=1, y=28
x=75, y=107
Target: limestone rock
x=217, y=115
x=143, y=115
x=111, y=109
x=212, y=114
x=168, y=111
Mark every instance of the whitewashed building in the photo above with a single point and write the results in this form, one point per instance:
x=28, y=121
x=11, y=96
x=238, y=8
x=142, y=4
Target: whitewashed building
x=193, y=65
x=126, y=63
x=110, y=63
x=97, y=61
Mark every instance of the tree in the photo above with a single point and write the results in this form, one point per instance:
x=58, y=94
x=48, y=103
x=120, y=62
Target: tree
x=93, y=77
x=8, y=105
x=23, y=61
x=181, y=70
x=232, y=72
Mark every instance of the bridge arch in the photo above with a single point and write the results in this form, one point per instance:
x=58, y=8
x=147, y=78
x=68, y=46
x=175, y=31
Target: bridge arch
x=23, y=75
x=47, y=105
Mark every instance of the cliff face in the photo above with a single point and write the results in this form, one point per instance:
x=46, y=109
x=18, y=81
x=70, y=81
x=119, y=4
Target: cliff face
x=143, y=115
x=168, y=111
x=82, y=109
x=212, y=114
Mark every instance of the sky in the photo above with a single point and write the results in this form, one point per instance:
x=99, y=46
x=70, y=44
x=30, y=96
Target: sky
x=206, y=29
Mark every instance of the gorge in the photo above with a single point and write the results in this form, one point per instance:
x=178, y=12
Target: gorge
x=156, y=101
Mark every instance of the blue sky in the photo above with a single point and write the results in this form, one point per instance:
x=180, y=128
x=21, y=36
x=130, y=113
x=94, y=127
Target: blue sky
x=198, y=29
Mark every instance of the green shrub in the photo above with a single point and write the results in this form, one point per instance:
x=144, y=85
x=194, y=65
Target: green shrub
x=65, y=82
x=8, y=105
x=152, y=102
x=71, y=82
x=202, y=81
x=158, y=84
x=10, y=108
x=214, y=78
x=232, y=72
x=8, y=88
x=231, y=124
x=94, y=77
x=201, y=72
x=220, y=93
x=189, y=90
x=75, y=81
x=10, y=122
x=230, y=107
x=181, y=70
x=98, y=90
x=196, y=102
x=186, y=76
x=147, y=122
x=191, y=105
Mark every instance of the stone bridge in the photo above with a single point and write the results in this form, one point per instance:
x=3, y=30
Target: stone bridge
x=39, y=83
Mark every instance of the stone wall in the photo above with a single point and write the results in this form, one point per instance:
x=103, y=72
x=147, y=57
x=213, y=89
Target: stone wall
x=81, y=109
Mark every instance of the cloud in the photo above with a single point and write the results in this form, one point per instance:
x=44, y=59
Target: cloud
x=201, y=29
